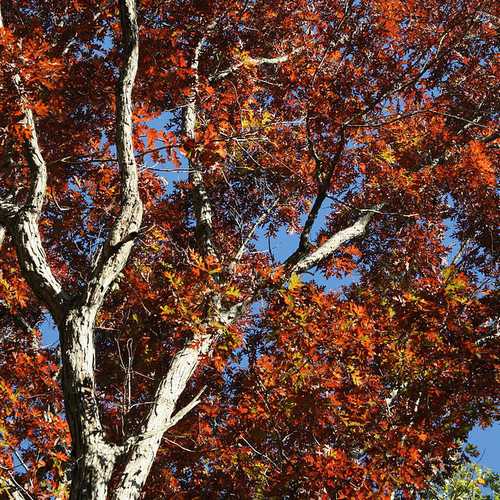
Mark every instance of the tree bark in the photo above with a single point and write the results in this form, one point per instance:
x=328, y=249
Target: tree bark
x=160, y=419
x=94, y=457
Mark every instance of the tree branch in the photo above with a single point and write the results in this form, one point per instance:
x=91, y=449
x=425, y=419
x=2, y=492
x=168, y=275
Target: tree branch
x=201, y=202
x=18, y=319
x=95, y=455
x=116, y=250
x=253, y=61
x=135, y=440
x=184, y=411
x=260, y=220
x=324, y=185
x=322, y=192
x=22, y=222
x=332, y=244
x=161, y=417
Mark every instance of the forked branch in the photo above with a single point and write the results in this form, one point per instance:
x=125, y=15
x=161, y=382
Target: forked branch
x=116, y=250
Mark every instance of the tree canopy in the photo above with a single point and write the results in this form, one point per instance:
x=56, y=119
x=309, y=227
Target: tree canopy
x=266, y=234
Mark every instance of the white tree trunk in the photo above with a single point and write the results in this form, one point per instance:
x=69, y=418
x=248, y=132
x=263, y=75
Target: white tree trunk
x=160, y=419
x=93, y=457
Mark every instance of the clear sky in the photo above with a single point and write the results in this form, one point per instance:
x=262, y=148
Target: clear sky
x=488, y=443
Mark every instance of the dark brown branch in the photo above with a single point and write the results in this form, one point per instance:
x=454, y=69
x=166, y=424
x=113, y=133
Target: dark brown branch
x=304, y=243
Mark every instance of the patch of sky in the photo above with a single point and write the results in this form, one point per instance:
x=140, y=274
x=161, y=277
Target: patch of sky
x=487, y=442
x=50, y=335
x=19, y=464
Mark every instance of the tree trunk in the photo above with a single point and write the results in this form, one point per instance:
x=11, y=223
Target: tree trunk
x=94, y=458
x=92, y=473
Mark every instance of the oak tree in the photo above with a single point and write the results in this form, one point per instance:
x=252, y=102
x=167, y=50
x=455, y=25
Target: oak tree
x=265, y=232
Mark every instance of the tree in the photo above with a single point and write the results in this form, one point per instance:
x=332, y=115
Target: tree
x=153, y=154
x=468, y=480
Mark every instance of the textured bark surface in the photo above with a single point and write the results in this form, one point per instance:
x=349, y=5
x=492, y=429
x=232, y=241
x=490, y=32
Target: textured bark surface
x=94, y=456
x=201, y=203
x=75, y=316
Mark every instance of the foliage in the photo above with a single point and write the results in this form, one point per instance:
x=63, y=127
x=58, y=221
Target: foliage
x=469, y=481
x=360, y=135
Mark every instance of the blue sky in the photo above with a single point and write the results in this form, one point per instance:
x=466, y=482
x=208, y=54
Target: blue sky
x=488, y=443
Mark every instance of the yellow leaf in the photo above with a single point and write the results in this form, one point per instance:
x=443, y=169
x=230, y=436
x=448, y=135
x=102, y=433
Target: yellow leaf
x=166, y=310
x=294, y=282
x=233, y=293
x=356, y=378
x=388, y=156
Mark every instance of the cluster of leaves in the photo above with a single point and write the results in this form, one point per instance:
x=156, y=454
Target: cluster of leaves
x=469, y=482
x=343, y=397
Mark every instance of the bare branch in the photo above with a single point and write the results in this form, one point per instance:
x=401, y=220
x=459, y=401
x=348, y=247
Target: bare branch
x=134, y=440
x=184, y=411
x=17, y=318
x=333, y=243
x=17, y=492
x=322, y=192
x=401, y=85
x=259, y=453
x=73, y=40
x=161, y=417
x=13, y=489
x=324, y=185
x=260, y=220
